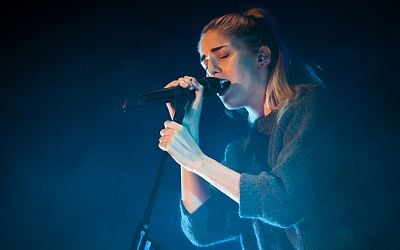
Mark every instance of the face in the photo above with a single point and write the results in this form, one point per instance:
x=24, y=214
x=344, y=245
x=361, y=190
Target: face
x=229, y=59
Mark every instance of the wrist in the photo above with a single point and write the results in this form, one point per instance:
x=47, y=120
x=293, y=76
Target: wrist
x=198, y=164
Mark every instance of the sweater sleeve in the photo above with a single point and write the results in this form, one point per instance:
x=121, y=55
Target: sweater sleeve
x=217, y=219
x=286, y=195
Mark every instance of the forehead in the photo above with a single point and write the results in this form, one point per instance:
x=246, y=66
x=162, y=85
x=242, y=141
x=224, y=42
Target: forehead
x=213, y=39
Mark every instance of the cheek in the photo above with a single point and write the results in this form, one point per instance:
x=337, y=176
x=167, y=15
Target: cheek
x=238, y=69
x=234, y=71
x=244, y=67
x=243, y=73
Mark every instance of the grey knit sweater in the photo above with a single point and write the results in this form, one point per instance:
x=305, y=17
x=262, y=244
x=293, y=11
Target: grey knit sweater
x=295, y=190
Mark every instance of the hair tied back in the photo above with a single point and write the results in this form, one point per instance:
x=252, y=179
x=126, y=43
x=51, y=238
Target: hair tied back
x=256, y=13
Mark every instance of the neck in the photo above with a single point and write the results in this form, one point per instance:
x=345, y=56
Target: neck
x=257, y=107
x=255, y=114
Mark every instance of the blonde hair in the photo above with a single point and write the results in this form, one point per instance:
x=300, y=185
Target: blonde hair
x=256, y=28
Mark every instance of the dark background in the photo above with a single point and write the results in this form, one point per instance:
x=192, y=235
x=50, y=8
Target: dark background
x=75, y=171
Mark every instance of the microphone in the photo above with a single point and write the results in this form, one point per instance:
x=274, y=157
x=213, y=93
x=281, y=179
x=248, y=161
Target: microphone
x=212, y=86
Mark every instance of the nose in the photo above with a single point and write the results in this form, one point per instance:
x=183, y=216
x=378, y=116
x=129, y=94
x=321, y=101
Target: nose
x=212, y=69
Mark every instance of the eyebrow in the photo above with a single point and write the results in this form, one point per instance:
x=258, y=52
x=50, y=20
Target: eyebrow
x=213, y=50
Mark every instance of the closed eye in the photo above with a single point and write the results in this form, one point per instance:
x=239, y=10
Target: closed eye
x=224, y=56
x=223, y=53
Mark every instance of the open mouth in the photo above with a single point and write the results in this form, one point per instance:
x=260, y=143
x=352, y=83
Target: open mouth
x=224, y=85
x=214, y=85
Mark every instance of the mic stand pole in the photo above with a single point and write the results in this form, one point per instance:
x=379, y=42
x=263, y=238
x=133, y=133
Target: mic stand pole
x=141, y=240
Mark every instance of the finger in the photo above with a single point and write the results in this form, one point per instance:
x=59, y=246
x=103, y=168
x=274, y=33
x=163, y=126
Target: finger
x=177, y=139
x=172, y=84
x=185, y=83
x=163, y=146
x=166, y=139
x=167, y=147
x=169, y=132
x=166, y=143
x=172, y=125
x=190, y=82
x=194, y=82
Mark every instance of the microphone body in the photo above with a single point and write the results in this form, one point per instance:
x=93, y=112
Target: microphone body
x=212, y=86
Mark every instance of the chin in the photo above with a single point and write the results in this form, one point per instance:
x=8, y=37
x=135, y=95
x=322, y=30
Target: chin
x=228, y=103
x=231, y=99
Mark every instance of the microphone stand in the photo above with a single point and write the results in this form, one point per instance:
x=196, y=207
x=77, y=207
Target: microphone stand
x=141, y=240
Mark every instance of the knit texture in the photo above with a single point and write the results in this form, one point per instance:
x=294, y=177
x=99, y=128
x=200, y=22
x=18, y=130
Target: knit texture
x=295, y=187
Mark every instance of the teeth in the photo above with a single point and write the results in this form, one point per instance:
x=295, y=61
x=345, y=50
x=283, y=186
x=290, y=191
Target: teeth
x=223, y=81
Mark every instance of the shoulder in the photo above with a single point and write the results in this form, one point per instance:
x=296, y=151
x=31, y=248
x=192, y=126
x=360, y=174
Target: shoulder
x=310, y=95
x=309, y=113
x=309, y=100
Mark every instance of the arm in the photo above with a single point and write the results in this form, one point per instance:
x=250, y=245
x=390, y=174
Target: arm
x=223, y=178
x=206, y=217
x=178, y=142
x=217, y=219
x=181, y=142
x=194, y=190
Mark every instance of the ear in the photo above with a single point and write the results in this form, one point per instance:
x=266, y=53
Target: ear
x=263, y=57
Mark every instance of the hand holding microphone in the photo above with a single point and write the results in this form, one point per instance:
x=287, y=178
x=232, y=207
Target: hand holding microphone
x=195, y=94
x=181, y=141
x=173, y=92
x=185, y=88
